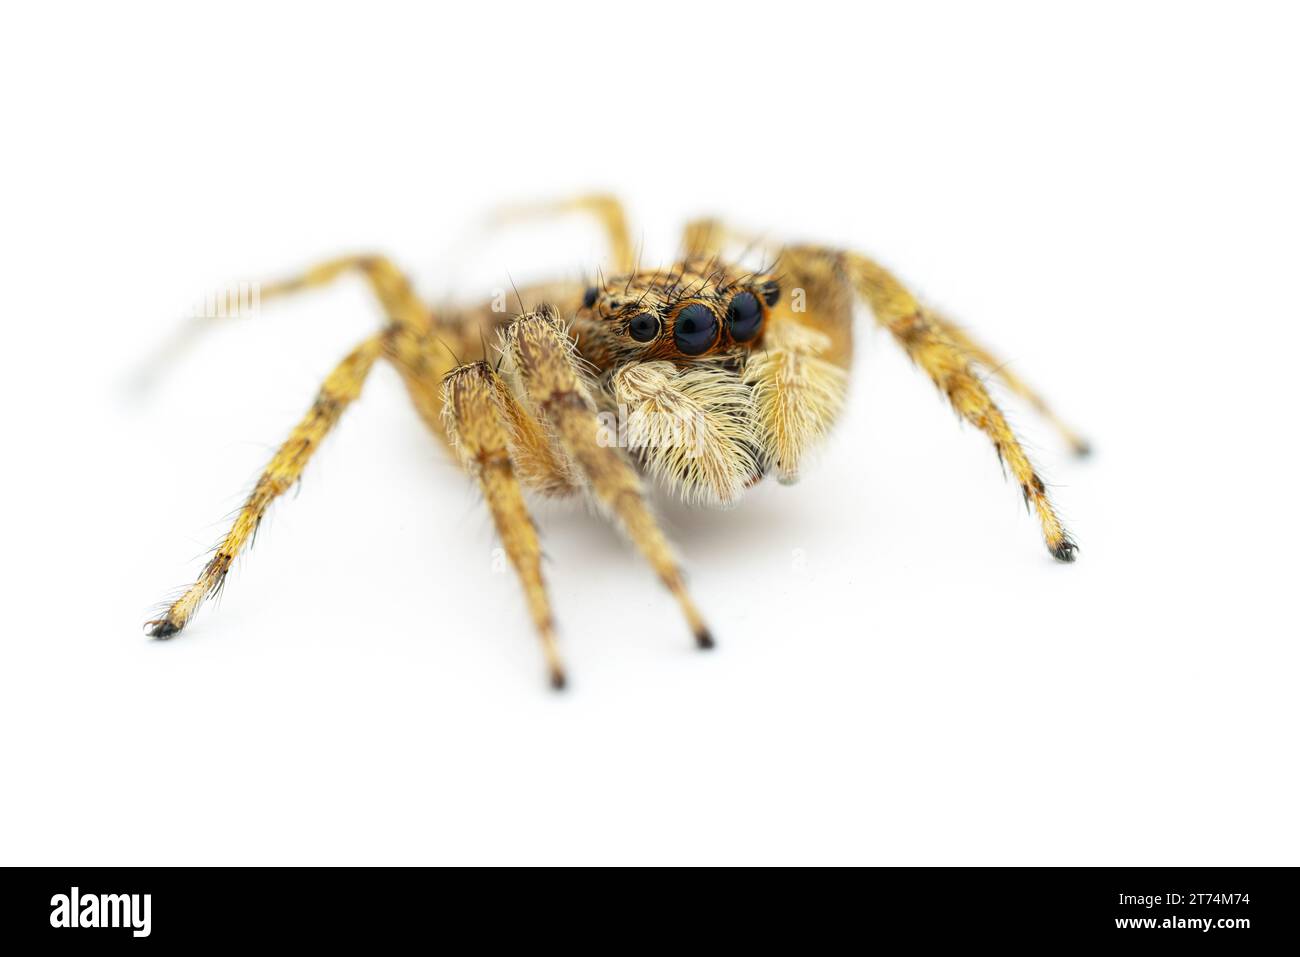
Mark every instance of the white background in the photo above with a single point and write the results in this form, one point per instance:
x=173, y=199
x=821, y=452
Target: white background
x=1107, y=196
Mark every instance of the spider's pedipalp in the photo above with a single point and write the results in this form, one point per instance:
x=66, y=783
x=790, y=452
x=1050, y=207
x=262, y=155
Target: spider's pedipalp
x=692, y=429
x=797, y=395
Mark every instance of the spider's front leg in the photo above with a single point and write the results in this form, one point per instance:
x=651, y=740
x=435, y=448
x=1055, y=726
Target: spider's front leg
x=962, y=339
x=477, y=427
x=543, y=357
x=950, y=363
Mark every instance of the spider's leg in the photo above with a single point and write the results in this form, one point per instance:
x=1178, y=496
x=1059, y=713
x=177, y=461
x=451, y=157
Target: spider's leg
x=543, y=356
x=952, y=369
x=706, y=237
x=339, y=389
x=814, y=294
x=963, y=341
x=607, y=210
x=425, y=358
x=389, y=284
x=479, y=431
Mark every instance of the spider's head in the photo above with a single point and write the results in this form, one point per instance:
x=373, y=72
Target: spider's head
x=695, y=310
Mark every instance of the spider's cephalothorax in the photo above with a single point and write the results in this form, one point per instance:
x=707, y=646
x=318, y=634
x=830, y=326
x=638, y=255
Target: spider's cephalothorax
x=682, y=361
x=697, y=309
x=703, y=377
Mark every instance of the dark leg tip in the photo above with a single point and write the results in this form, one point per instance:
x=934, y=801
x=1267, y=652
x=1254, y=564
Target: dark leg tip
x=164, y=628
x=1065, y=552
x=1082, y=449
x=558, y=680
x=703, y=639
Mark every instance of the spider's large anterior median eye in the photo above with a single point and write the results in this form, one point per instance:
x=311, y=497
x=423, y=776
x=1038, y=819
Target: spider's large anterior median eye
x=744, y=316
x=696, y=329
x=589, y=297
x=643, y=327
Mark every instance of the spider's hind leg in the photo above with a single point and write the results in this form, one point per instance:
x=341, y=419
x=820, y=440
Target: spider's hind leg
x=340, y=388
x=388, y=283
x=607, y=210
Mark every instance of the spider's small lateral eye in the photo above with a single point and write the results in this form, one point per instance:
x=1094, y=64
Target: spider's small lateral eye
x=643, y=327
x=696, y=329
x=771, y=291
x=589, y=297
x=744, y=316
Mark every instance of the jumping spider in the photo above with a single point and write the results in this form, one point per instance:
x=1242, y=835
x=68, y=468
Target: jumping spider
x=756, y=362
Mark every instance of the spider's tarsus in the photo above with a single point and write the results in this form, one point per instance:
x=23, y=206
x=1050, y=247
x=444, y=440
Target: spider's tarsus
x=163, y=628
x=1082, y=449
x=558, y=679
x=704, y=639
x=1065, y=552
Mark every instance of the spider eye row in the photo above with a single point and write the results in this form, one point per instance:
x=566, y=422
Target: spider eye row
x=696, y=326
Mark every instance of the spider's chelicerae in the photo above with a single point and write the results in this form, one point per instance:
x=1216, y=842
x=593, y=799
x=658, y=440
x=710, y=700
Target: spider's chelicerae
x=719, y=375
